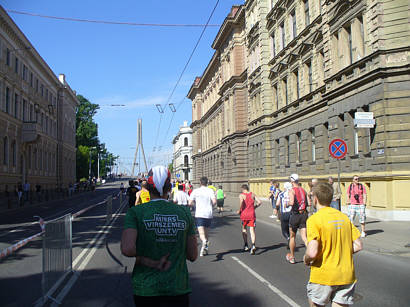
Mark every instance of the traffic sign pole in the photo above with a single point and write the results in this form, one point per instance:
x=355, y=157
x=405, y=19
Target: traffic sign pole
x=338, y=150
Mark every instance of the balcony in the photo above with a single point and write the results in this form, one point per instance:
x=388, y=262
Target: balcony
x=31, y=132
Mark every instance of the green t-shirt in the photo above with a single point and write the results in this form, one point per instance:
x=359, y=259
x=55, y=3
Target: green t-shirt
x=220, y=194
x=162, y=227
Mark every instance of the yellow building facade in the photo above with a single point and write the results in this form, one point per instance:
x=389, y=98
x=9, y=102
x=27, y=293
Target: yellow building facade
x=37, y=116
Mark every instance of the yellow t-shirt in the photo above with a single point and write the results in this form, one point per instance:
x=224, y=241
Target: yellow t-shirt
x=144, y=197
x=335, y=234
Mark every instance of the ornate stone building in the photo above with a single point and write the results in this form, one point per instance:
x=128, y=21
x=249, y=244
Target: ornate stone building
x=219, y=108
x=182, y=155
x=37, y=116
x=328, y=60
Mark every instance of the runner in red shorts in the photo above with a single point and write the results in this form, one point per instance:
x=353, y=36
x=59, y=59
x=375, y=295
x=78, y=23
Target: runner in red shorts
x=247, y=212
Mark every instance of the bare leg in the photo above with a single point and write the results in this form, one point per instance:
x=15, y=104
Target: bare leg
x=292, y=242
x=362, y=226
x=253, y=234
x=303, y=235
x=334, y=304
x=244, y=235
x=202, y=235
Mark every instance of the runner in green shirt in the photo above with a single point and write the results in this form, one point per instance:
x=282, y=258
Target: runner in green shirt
x=220, y=197
x=161, y=236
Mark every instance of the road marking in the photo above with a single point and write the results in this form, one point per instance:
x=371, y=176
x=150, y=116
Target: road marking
x=286, y=298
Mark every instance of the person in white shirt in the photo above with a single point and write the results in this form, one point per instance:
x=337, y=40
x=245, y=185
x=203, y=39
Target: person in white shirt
x=204, y=199
x=180, y=197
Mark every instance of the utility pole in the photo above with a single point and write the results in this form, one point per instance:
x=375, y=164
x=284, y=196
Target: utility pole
x=139, y=144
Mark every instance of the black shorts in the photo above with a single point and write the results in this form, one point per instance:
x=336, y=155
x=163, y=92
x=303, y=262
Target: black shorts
x=298, y=220
x=162, y=301
x=220, y=202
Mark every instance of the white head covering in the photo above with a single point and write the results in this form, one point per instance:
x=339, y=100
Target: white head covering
x=287, y=186
x=294, y=177
x=159, y=176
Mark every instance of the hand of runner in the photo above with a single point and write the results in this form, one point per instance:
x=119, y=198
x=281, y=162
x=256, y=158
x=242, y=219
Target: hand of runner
x=164, y=264
x=306, y=262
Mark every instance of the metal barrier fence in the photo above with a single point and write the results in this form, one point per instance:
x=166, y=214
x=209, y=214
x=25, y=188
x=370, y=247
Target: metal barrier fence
x=57, y=254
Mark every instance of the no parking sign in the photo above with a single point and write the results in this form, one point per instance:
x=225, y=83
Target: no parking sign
x=338, y=149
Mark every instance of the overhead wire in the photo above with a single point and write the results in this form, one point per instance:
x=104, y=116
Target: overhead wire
x=109, y=21
x=186, y=64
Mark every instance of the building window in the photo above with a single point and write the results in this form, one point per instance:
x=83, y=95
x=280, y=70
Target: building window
x=285, y=88
x=282, y=34
x=356, y=142
x=296, y=83
x=31, y=113
x=31, y=79
x=36, y=85
x=275, y=94
x=16, y=66
x=307, y=17
x=349, y=40
x=313, y=140
x=298, y=146
x=13, y=154
x=277, y=148
x=5, y=150
x=287, y=147
x=272, y=38
x=309, y=71
x=185, y=141
x=24, y=72
x=293, y=19
x=8, y=57
x=35, y=158
x=7, y=100
x=24, y=109
x=16, y=105
x=185, y=161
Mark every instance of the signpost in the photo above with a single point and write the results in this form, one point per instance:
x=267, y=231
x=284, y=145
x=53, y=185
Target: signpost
x=338, y=150
x=364, y=120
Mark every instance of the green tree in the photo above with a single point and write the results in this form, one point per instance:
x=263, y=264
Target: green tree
x=88, y=143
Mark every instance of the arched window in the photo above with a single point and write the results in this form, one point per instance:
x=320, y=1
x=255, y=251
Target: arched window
x=185, y=161
x=5, y=150
x=13, y=154
x=185, y=141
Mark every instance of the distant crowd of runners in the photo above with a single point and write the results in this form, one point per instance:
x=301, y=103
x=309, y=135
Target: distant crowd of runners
x=159, y=233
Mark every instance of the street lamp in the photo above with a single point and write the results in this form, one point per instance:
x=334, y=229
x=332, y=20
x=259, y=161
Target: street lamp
x=89, y=166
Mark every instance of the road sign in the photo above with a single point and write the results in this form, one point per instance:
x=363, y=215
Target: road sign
x=363, y=115
x=338, y=149
x=364, y=123
x=178, y=175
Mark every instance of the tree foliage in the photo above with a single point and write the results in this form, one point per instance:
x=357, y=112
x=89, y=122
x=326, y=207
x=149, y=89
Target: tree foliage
x=88, y=143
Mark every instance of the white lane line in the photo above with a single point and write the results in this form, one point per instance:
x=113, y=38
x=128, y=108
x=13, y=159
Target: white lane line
x=286, y=298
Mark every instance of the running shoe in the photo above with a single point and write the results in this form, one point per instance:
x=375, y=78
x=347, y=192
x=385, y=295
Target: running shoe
x=290, y=258
x=245, y=248
x=202, y=252
x=363, y=234
x=253, y=250
x=272, y=216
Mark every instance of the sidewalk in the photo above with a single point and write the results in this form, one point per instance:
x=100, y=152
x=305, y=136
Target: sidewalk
x=389, y=238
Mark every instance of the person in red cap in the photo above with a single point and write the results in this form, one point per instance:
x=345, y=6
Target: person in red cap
x=161, y=236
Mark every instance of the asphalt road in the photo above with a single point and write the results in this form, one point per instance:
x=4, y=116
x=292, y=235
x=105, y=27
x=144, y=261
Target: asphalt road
x=226, y=277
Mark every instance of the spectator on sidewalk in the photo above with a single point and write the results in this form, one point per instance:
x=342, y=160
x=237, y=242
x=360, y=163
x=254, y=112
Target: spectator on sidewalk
x=356, y=201
x=161, y=236
x=336, y=194
x=273, y=196
x=332, y=241
x=26, y=190
x=19, y=192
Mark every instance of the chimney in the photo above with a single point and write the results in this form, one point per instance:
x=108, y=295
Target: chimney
x=185, y=123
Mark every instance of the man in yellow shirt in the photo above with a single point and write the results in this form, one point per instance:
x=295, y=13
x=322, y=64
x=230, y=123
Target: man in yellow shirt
x=332, y=241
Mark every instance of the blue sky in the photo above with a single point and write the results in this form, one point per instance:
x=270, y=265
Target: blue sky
x=118, y=64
